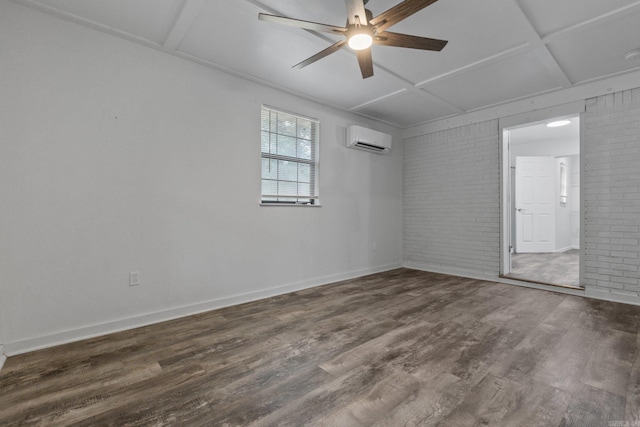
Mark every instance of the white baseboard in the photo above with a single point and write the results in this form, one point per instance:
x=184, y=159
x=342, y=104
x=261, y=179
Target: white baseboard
x=91, y=331
x=613, y=295
x=451, y=271
x=3, y=358
x=568, y=248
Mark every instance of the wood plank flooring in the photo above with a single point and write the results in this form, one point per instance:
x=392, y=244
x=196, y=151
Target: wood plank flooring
x=401, y=348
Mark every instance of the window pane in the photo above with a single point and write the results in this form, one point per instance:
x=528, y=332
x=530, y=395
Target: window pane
x=269, y=169
x=286, y=124
x=304, y=149
x=269, y=186
x=265, y=120
x=287, y=188
x=304, y=172
x=264, y=138
x=304, y=189
x=286, y=146
x=287, y=171
x=304, y=129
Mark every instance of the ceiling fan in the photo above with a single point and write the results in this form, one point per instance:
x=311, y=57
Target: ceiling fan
x=362, y=30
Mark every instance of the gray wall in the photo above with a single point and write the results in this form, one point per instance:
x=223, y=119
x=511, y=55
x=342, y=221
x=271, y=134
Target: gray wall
x=119, y=158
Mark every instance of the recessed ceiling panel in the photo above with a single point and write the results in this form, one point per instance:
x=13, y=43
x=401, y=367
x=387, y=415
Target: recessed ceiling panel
x=475, y=29
x=497, y=82
x=407, y=109
x=599, y=51
x=148, y=19
x=550, y=16
x=242, y=43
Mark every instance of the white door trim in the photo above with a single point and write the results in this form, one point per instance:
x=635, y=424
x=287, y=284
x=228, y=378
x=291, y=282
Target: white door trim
x=517, y=120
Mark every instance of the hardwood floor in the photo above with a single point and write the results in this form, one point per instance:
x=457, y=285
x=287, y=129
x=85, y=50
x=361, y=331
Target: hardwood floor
x=401, y=348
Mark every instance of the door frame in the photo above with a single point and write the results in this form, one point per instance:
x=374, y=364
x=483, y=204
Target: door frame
x=506, y=204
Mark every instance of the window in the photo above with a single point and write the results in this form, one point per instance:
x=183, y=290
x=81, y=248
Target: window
x=289, y=159
x=563, y=183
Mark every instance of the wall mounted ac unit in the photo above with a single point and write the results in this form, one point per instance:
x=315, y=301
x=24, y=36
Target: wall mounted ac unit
x=369, y=140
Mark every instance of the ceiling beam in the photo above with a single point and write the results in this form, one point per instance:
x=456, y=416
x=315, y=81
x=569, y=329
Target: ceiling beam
x=432, y=97
x=536, y=41
x=487, y=60
x=581, y=26
x=554, y=100
x=189, y=13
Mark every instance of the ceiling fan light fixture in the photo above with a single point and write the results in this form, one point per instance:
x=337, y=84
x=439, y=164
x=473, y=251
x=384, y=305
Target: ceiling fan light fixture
x=558, y=123
x=362, y=30
x=360, y=39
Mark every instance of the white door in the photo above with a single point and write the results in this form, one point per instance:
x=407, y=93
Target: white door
x=535, y=213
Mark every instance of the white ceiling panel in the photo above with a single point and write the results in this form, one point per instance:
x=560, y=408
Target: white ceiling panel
x=409, y=107
x=474, y=29
x=149, y=19
x=599, y=50
x=550, y=16
x=268, y=51
x=511, y=78
x=499, y=50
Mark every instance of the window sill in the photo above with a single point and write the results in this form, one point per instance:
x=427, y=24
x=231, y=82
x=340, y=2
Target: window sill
x=290, y=205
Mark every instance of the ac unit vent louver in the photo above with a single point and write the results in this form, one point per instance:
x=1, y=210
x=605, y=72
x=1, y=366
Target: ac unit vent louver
x=369, y=140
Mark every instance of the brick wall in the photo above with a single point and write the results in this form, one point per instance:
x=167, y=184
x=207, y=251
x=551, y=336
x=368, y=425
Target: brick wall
x=452, y=200
x=611, y=180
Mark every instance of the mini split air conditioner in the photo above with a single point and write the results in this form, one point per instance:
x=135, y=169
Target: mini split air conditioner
x=369, y=140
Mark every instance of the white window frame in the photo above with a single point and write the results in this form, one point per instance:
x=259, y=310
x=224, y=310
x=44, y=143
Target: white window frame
x=277, y=190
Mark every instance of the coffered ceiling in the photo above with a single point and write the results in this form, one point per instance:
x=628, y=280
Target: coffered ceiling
x=498, y=51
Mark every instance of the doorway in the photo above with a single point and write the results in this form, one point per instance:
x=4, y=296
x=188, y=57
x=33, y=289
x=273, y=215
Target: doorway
x=543, y=201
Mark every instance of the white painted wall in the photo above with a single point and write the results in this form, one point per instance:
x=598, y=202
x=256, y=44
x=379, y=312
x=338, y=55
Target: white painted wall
x=119, y=158
x=544, y=148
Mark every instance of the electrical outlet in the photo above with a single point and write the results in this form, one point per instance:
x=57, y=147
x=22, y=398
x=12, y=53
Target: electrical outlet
x=134, y=278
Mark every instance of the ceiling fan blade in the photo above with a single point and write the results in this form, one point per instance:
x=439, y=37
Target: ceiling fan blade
x=365, y=62
x=306, y=25
x=399, y=12
x=328, y=51
x=356, y=8
x=387, y=38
